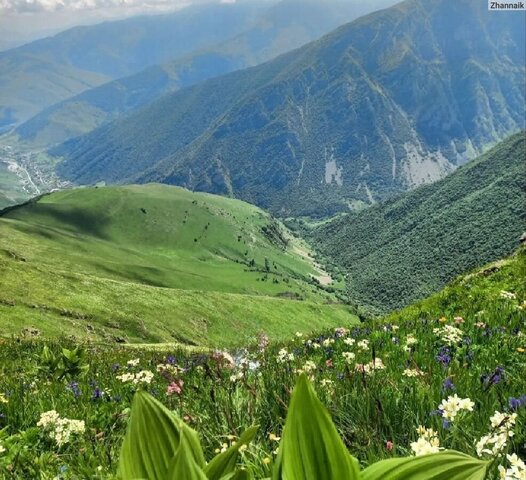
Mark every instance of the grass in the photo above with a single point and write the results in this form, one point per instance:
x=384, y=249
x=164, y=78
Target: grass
x=154, y=264
x=221, y=397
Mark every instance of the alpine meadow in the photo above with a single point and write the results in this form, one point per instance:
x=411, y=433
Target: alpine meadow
x=262, y=240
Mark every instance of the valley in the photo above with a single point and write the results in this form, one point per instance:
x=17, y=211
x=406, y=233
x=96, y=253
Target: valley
x=263, y=239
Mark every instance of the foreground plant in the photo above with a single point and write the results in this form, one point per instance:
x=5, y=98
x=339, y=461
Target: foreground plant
x=160, y=446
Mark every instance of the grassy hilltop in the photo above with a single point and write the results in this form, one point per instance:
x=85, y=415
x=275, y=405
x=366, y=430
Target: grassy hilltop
x=156, y=263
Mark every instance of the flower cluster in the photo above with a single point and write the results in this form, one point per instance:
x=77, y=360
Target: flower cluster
x=60, y=429
x=370, y=367
x=451, y=407
x=502, y=429
x=449, y=334
x=412, y=372
x=284, y=356
x=349, y=357
x=427, y=442
x=144, y=376
x=516, y=471
x=410, y=340
x=363, y=345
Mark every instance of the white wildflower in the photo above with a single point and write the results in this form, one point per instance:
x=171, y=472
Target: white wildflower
x=363, y=345
x=349, y=356
x=449, y=334
x=453, y=405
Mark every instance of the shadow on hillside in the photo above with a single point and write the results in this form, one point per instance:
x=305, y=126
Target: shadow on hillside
x=77, y=219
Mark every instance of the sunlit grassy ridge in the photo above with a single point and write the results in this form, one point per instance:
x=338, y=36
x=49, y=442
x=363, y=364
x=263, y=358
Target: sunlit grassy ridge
x=376, y=409
x=155, y=263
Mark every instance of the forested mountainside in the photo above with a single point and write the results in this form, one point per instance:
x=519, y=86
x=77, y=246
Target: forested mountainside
x=409, y=247
x=384, y=104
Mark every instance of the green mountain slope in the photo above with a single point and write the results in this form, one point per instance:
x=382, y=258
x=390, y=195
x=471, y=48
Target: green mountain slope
x=409, y=247
x=381, y=105
x=154, y=263
x=280, y=28
x=474, y=295
x=47, y=71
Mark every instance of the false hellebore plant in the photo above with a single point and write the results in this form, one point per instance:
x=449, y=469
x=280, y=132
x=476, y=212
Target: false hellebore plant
x=160, y=446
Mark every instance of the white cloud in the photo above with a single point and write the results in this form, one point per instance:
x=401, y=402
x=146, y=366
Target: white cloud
x=26, y=6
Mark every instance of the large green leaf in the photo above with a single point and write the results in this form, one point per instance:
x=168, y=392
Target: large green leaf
x=238, y=475
x=184, y=465
x=225, y=463
x=448, y=465
x=311, y=448
x=152, y=440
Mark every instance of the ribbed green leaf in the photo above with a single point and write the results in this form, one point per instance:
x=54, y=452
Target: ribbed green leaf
x=448, y=465
x=151, y=441
x=225, y=462
x=311, y=448
x=184, y=466
x=238, y=475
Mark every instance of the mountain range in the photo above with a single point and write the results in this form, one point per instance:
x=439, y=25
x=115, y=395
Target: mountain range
x=47, y=71
x=283, y=26
x=407, y=248
x=391, y=101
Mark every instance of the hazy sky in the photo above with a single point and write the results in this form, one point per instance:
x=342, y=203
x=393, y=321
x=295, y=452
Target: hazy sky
x=25, y=20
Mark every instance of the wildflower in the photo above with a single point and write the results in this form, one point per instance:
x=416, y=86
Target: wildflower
x=263, y=342
x=458, y=320
x=267, y=460
x=453, y=405
x=168, y=369
x=502, y=429
x=60, y=429
x=517, y=468
x=224, y=359
x=328, y=342
x=389, y=446
x=349, y=341
x=341, y=331
x=309, y=366
x=3, y=398
x=363, y=345
x=409, y=372
x=74, y=387
x=410, y=340
x=395, y=328
x=516, y=403
x=493, y=379
x=2, y=449
x=442, y=319
x=284, y=356
x=370, y=367
x=236, y=376
x=448, y=384
x=144, y=376
x=444, y=356
x=480, y=325
x=299, y=334
x=427, y=442
x=273, y=437
x=507, y=295
x=133, y=363
x=328, y=384
x=449, y=334
x=521, y=350
x=175, y=388
x=48, y=418
x=349, y=356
